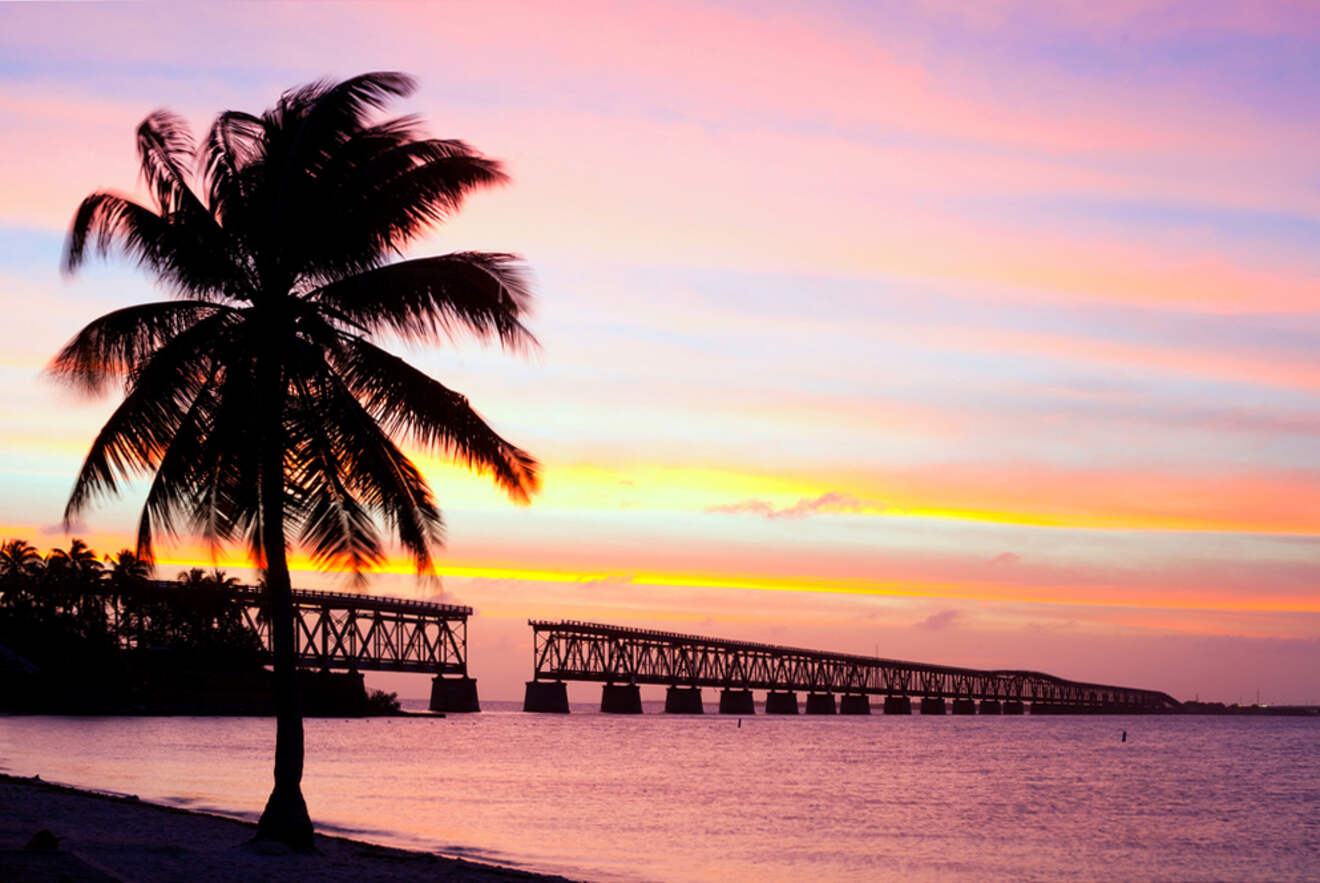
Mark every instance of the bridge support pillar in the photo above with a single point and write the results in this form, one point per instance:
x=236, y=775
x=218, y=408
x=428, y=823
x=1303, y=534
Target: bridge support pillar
x=1012, y=706
x=821, y=703
x=546, y=696
x=683, y=700
x=849, y=704
x=933, y=705
x=1043, y=708
x=991, y=706
x=781, y=702
x=898, y=705
x=964, y=706
x=621, y=699
x=737, y=702
x=454, y=694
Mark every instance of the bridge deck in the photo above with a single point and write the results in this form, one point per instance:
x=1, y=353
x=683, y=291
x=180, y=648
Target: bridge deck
x=586, y=651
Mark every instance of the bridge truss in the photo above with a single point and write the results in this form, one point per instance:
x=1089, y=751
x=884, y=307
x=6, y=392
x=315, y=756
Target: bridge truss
x=341, y=630
x=585, y=651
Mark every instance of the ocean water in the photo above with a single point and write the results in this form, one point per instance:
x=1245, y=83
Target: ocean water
x=660, y=797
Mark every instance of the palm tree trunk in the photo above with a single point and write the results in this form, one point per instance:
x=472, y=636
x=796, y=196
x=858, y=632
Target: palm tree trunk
x=285, y=818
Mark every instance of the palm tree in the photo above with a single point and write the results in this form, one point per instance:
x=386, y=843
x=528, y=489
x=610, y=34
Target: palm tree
x=78, y=559
x=20, y=566
x=127, y=569
x=19, y=558
x=259, y=398
x=126, y=579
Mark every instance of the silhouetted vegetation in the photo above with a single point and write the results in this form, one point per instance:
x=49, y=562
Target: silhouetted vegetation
x=258, y=400
x=95, y=634
x=82, y=635
x=381, y=703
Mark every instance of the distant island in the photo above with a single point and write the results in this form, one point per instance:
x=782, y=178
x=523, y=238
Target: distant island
x=1194, y=707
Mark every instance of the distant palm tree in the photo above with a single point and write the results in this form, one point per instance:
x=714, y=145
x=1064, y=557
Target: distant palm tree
x=78, y=559
x=127, y=569
x=19, y=558
x=126, y=579
x=20, y=565
x=257, y=398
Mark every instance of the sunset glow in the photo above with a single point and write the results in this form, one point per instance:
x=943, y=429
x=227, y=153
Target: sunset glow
x=978, y=333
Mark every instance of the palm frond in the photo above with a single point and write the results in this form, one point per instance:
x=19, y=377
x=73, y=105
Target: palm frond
x=336, y=527
x=178, y=474
x=165, y=151
x=116, y=344
x=428, y=298
x=233, y=143
x=369, y=465
x=411, y=405
x=188, y=249
x=409, y=203
x=330, y=113
x=107, y=218
x=161, y=392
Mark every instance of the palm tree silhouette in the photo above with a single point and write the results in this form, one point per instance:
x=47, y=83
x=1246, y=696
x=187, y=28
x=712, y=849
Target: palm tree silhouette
x=258, y=399
x=19, y=558
x=78, y=559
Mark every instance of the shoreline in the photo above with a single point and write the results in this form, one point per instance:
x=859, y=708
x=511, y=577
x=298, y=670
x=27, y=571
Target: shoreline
x=107, y=837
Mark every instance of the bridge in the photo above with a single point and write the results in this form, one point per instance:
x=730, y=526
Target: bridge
x=625, y=658
x=356, y=633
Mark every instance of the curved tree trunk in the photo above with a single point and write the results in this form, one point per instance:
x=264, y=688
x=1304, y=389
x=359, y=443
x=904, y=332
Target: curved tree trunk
x=285, y=818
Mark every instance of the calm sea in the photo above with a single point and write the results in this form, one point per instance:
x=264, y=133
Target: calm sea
x=662, y=797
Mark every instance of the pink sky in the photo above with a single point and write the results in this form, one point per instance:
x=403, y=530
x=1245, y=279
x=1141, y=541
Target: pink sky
x=982, y=337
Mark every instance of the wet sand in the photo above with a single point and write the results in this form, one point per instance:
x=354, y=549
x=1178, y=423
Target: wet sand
x=105, y=837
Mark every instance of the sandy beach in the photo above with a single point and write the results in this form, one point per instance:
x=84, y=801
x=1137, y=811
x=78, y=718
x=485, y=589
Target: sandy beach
x=104, y=837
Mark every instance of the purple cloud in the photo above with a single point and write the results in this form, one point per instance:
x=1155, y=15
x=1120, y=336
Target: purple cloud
x=59, y=530
x=832, y=502
x=941, y=620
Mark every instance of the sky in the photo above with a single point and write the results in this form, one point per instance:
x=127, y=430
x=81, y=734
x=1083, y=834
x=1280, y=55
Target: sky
x=982, y=336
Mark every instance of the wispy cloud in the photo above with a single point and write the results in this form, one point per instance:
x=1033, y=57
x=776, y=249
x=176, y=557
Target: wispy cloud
x=833, y=502
x=942, y=620
x=60, y=529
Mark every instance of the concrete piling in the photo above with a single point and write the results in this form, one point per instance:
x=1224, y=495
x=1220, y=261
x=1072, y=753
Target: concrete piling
x=854, y=704
x=781, y=702
x=621, y=699
x=683, y=700
x=738, y=702
x=964, y=706
x=899, y=705
x=821, y=703
x=454, y=694
x=934, y=705
x=991, y=706
x=546, y=697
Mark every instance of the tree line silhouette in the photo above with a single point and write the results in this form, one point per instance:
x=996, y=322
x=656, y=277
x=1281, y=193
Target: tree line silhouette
x=81, y=633
x=71, y=605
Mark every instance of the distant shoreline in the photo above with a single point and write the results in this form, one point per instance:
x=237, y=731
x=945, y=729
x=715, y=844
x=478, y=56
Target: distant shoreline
x=106, y=837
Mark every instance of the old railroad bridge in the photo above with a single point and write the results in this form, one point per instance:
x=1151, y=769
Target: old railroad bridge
x=354, y=632
x=624, y=658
